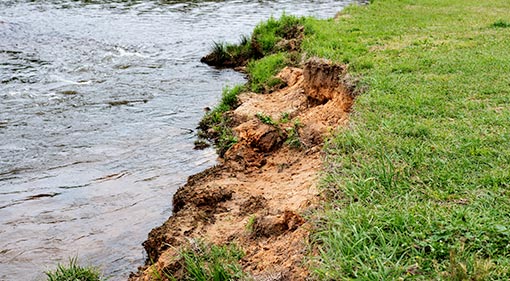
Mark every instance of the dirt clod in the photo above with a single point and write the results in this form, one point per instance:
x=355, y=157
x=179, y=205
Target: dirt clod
x=266, y=226
x=208, y=196
x=252, y=205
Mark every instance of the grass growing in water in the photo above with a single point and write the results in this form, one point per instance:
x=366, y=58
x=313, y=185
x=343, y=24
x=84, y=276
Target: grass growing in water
x=73, y=272
x=420, y=182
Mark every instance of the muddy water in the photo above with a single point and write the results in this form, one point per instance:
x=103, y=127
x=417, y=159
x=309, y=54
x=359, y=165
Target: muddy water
x=98, y=105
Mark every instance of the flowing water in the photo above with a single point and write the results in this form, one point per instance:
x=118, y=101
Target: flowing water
x=99, y=101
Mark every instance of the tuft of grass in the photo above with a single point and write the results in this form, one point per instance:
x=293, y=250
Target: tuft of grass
x=501, y=24
x=72, y=272
x=262, y=72
x=230, y=55
x=217, y=120
x=208, y=262
x=219, y=50
x=421, y=179
x=293, y=139
x=266, y=119
x=251, y=222
x=267, y=34
x=263, y=42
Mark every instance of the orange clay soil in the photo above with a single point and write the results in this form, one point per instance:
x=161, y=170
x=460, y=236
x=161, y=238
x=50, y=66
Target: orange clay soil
x=261, y=179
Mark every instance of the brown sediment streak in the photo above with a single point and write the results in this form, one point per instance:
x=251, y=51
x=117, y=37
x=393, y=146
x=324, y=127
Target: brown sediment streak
x=261, y=180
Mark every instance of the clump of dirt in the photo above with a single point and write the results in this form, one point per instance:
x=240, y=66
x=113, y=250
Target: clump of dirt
x=252, y=205
x=256, y=196
x=208, y=197
x=267, y=226
x=230, y=56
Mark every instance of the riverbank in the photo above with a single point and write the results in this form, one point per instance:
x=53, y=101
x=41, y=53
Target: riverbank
x=257, y=198
x=415, y=186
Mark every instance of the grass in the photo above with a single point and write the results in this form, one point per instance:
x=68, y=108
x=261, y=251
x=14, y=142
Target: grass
x=262, y=72
x=208, y=262
x=269, y=33
x=251, y=222
x=501, y=24
x=266, y=119
x=73, y=272
x=293, y=140
x=263, y=42
x=216, y=125
x=419, y=184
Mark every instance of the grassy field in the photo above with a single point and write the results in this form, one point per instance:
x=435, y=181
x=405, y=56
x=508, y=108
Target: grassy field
x=419, y=184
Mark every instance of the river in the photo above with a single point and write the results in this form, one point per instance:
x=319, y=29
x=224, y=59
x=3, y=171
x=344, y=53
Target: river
x=99, y=104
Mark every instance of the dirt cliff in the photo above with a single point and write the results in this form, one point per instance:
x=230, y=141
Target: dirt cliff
x=267, y=180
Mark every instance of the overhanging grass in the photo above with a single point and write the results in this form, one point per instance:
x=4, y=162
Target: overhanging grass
x=421, y=179
x=267, y=34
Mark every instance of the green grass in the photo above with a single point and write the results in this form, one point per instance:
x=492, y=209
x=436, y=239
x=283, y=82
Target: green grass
x=267, y=34
x=73, y=272
x=264, y=41
x=207, y=262
x=219, y=122
x=501, y=24
x=266, y=119
x=262, y=72
x=226, y=54
x=419, y=184
x=293, y=139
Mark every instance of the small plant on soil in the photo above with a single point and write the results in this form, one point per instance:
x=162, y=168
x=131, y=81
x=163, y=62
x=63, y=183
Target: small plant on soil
x=72, y=272
x=285, y=118
x=293, y=136
x=266, y=119
x=226, y=138
x=250, y=223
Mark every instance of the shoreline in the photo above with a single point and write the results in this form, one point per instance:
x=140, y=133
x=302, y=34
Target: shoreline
x=260, y=194
x=416, y=187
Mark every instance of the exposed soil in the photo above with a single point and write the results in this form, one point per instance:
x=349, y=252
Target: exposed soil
x=261, y=180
